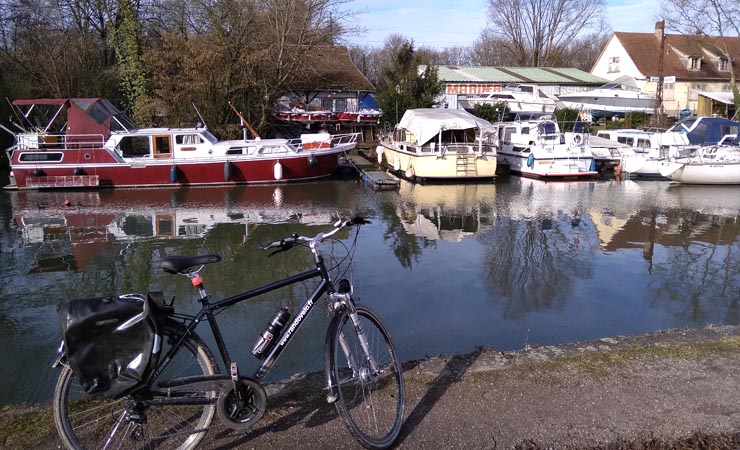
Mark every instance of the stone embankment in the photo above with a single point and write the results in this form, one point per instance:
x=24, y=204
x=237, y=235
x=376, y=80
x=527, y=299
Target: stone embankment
x=673, y=389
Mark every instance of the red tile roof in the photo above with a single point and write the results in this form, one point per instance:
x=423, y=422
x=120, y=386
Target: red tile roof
x=644, y=49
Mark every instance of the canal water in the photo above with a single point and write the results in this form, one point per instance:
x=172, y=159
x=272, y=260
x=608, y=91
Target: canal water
x=449, y=268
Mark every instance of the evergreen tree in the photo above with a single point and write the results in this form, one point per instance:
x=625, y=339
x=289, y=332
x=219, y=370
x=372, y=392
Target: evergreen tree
x=403, y=87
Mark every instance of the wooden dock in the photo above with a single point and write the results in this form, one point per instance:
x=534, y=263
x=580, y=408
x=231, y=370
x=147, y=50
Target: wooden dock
x=372, y=175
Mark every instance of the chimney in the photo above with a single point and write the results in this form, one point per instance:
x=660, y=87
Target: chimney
x=660, y=29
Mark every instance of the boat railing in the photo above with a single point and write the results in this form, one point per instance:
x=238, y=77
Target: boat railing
x=345, y=138
x=332, y=141
x=42, y=141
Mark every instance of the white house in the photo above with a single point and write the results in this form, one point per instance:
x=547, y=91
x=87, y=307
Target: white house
x=689, y=64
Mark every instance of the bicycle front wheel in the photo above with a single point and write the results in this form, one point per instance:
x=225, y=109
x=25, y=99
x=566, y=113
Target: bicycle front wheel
x=369, y=385
x=87, y=422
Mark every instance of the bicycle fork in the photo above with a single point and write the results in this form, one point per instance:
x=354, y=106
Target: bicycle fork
x=362, y=371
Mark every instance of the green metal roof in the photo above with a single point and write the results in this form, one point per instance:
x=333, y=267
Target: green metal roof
x=487, y=74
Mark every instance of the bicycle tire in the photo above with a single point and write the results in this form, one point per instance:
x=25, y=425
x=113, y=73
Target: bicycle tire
x=372, y=406
x=86, y=422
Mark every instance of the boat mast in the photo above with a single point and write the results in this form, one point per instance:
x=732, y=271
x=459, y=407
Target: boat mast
x=244, y=122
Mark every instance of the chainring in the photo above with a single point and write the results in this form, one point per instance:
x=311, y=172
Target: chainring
x=242, y=404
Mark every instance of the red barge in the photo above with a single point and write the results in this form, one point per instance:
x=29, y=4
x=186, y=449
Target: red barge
x=89, y=143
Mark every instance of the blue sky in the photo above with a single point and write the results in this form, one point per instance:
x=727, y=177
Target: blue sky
x=445, y=23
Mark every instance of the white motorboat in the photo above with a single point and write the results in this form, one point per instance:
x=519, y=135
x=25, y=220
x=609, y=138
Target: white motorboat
x=436, y=144
x=537, y=148
x=523, y=100
x=648, y=149
x=716, y=164
x=618, y=97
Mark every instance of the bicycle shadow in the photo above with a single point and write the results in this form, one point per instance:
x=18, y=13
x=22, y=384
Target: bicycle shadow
x=304, y=404
x=450, y=373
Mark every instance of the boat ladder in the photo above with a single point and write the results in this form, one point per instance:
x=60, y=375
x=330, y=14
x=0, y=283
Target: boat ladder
x=466, y=166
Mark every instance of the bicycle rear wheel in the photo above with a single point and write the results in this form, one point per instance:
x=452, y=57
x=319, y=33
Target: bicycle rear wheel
x=370, y=399
x=93, y=422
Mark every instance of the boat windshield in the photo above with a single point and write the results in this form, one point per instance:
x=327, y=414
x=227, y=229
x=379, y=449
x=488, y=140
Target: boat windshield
x=547, y=128
x=209, y=137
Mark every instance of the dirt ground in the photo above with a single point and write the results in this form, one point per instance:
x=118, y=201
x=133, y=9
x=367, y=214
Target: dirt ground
x=674, y=389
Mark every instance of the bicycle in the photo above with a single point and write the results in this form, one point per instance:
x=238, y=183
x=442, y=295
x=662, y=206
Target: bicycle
x=178, y=401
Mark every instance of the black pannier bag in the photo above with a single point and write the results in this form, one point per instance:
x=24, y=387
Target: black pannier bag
x=110, y=342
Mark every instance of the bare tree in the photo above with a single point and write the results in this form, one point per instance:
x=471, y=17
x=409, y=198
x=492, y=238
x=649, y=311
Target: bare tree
x=490, y=50
x=536, y=32
x=710, y=18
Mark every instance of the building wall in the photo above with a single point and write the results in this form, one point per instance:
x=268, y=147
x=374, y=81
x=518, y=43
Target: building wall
x=683, y=94
x=615, y=62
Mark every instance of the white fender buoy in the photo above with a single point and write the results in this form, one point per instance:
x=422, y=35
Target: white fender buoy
x=277, y=171
x=379, y=151
x=410, y=171
x=396, y=164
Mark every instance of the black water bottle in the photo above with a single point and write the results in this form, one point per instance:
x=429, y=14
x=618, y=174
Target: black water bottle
x=271, y=333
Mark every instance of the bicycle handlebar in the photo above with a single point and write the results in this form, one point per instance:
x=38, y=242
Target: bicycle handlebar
x=288, y=242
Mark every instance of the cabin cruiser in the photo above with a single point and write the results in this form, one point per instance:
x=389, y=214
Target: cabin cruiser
x=440, y=144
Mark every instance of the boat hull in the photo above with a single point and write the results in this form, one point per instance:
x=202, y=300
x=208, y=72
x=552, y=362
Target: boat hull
x=434, y=166
x=702, y=173
x=552, y=168
x=640, y=166
x=147, y=172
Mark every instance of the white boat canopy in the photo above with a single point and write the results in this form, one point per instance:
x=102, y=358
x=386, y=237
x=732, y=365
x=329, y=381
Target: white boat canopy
x=426, y=123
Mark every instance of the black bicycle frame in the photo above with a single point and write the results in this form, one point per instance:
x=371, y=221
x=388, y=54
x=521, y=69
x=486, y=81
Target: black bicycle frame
x=207, y=311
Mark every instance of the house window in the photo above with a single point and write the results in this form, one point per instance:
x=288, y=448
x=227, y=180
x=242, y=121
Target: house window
x=695, y=63
x=669, y=90
x=613, y=64
x=723, y=65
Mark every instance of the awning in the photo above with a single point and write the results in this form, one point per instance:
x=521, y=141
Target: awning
x=722, y=97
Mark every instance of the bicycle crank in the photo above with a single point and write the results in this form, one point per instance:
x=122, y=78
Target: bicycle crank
x=241, y=404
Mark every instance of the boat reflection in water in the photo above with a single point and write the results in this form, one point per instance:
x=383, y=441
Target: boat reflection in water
x=445, y=211
x=629, y=242
x=85, y=223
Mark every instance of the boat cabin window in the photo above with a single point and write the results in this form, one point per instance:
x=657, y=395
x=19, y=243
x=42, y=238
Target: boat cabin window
x=525, y=130
x=134, y=146
x=624, y=140
x=508, y=131
x=399, y=135
x=272, y=149
x=208, y=136
x=547, y=128
x=188, y=139
x=643, y=143
x=162, y=147
x=40, y=156
x=235, y=151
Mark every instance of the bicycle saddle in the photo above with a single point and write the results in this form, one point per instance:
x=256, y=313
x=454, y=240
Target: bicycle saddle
x=180, y=264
